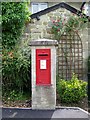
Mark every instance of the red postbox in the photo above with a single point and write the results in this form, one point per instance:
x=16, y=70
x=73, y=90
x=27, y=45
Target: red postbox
x=43, y=66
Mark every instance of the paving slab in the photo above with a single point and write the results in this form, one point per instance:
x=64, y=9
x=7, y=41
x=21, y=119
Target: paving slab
x=57, y=113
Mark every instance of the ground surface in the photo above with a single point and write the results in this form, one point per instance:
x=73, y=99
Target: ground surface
x=27, y=104
x=57, y=113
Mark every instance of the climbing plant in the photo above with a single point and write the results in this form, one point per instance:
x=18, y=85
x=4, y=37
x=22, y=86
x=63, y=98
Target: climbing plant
x=66, y=31
x=63, y=25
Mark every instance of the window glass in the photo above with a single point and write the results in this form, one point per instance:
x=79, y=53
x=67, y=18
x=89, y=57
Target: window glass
x=87, y=9
x=36, y=7
x=43, y=6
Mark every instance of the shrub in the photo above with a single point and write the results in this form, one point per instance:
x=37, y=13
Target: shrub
x=15, y=53
x=72, y=90
x=16, y=68
x=15, y=95
x=14, y=16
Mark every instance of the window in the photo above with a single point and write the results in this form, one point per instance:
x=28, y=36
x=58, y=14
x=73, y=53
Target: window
x=36, y=7
x=87, y=9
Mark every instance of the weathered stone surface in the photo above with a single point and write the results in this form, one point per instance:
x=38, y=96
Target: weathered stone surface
x=85, y=55
x=44, y=23
x=48, y=29
x=35, y=30
x=32, y=25
x=44, y=18
x=44, y=97
x=43, y=42
x=89, y=31
x=50, y=22
x=89, y=25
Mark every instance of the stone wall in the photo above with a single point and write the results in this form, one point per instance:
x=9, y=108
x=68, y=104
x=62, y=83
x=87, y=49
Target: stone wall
x=42, y=29
x=88, y=45
x=85, y=42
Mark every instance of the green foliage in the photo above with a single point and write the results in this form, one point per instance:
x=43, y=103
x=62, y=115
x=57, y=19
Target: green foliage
x=58, y=28
x=16, y=64
x=63, y=25
x=15, y=67
x=15, y=95
x=72, y=90
x=75, y=23
x=15, y=53
x=14, y=16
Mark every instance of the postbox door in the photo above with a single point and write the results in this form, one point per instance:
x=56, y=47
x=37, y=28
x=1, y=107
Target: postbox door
x=43, y=66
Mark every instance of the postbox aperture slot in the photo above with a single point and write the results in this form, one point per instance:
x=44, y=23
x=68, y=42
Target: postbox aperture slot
x=43, y=55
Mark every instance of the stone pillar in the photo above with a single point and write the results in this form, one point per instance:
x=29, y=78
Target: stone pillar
x=44, y=96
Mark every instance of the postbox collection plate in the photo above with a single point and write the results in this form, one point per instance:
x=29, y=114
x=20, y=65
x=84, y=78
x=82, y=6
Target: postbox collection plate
x=43, y=66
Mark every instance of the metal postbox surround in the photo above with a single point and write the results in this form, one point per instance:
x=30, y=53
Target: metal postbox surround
x=43, y=66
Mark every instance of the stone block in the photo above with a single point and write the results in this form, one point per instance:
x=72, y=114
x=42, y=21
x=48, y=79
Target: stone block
x=50, y=14
x=48, y=36
x=56, y=14
x=50, y=23
x=49, y=30
x=85, y=32
x=35, y=36
x=38, y=23
x=44, y=18
x=32, y=26
x=88, y=31
x=89, y=53
x=45, y=23
x=85, y=46
x=85, y=54
x=35, y=30
x=88, y=24
x=61, y=10
x=84, y=38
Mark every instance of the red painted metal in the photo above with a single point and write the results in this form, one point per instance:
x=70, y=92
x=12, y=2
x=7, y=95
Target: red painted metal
x=43, y=66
